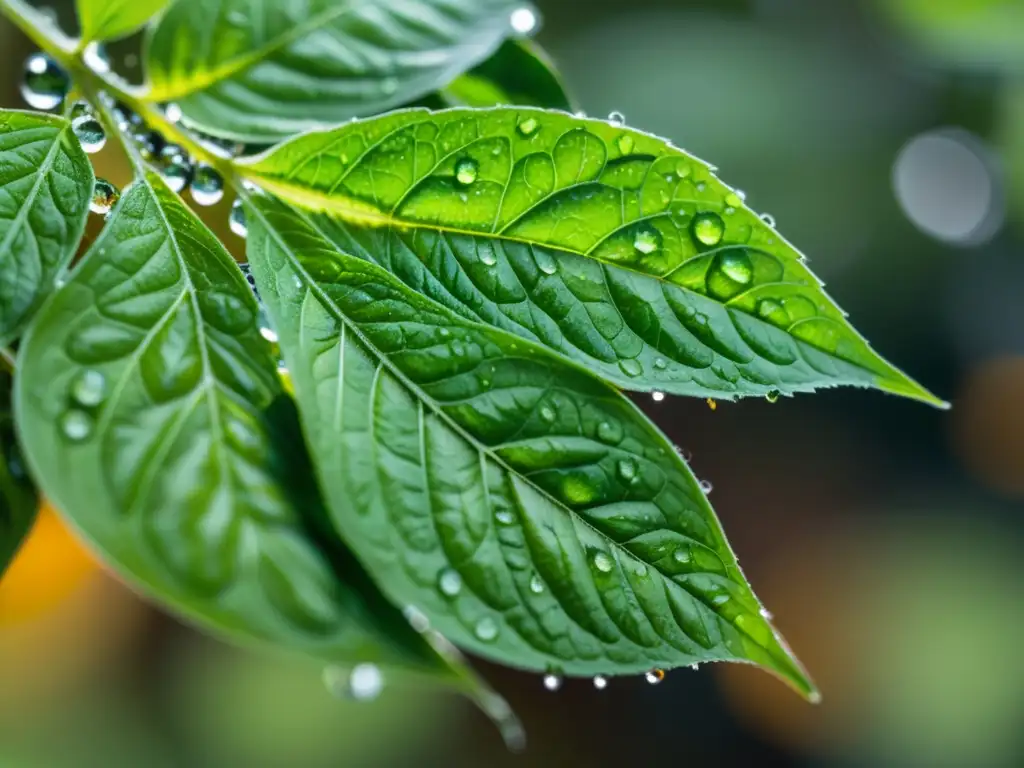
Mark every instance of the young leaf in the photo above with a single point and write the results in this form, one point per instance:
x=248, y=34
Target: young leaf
x=606, y=244
x=260, y=70
x=112, y=19
x=518, y=73
x=142, y=398
x=46, y=180
x=17, y=494
x=528, y=509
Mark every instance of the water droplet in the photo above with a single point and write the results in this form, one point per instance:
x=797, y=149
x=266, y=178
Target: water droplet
x=694, y=666
x=735, y=199
x=660, y=363
x=44, y=84
x=96, y=58
x=365, y=682
x=768, y=219
x=647, y=240
x=552, y=682
x=657, y=396
x=655, y=676
x=523, y=20
x=466, y=171
x=236, y=219
x=486, y=629
x=712, y=403
x=766, y=614
x=603, y=562
x=89, y=388
x=701, y=187
x=80, y=109
x=617, y=118
x=706, y=487
x=772, y=396
x=528, y=127
x=148, y=142
x=90, y=133
x=173, y=113
x=545, y=262
x=207, y=186
x=681, y=556
x=682, y=169
x=627, y=470
x=389, y=86
x=773, y=312
x=625, y=144
x=609, y=432
x=76, y=425
x=708, y=228
x=449, y=582
x=547, y=413
x=416, y=618
x=269, y=334
x=487, y=257
x=505, y=517
x=735, y=264
x=536, y=585
x=631, y=367
x=104, y=196
x=600, y=682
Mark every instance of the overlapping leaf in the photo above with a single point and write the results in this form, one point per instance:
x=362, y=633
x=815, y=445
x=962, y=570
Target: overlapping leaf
x=45, y=184
x=17, y=494
x=530, y=510
x=519, y=72
x=258, y=70
x=606, y=244
x=111, y=19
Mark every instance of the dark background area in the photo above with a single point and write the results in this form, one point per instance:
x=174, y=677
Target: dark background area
x=887, y=139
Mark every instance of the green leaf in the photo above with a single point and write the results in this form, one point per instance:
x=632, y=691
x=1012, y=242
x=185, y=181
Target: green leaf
x=260, y=70
x=143, y=395
x=607, y=244
x=46, y=182
x=112, y=19
x=518, y=73
x=528, y=509
x=17, y=494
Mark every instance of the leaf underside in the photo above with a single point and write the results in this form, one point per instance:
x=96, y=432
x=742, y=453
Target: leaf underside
x=530, y=510
x=113, y=19
x=45, y=184
x=258, y=71
x=519, y=72
x=606, y=244
x=17, y=494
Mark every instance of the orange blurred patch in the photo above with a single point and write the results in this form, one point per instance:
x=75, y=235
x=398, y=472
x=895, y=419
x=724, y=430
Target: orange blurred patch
x=51, y=565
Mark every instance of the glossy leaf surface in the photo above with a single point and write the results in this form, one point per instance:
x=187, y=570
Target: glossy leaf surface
x=143, y=398
x=259, y=70
x=45, y=185
x=17, y=494
x=518, y=73
x=606, y=244
x=111, y=19
x=528, y=509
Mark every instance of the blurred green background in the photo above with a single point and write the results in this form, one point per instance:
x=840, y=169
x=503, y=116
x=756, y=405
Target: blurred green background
x=886, y=137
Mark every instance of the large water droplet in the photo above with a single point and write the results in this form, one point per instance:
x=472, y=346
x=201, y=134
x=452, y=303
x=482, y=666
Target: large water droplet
x=552, y=682
x=487, y=256
x=708, y=228
x=627, y=470
x=773, y=311
x=603, y=562
x=736, y=265
x=104, y=197
x=89, y=388
x=681, y=556
x=625, y=143
x=365, y=682
x=655, y=676
x=528, y=127
x=236, y=220
x=631, y=367
x=609, y=432
x=207, y=185
x=76, y=425
x=466, y=171
x=486, y=629
x=600, y=682
x=90, y=133
x=683, y=169
x=44, y=84
x=647, y=240
x=449, y=582
x=175, y=166
x=545, y=262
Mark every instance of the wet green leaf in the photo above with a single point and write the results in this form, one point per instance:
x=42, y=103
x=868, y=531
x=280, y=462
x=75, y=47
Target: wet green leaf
x=46, y=182
x=17, y=494
x=112, y=19
x=528, y=509
x=259, y=70
x=604, y=243
x=518, y=73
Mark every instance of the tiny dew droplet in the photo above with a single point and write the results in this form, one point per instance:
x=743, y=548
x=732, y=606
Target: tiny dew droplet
x=547, y=413
x=766, y=614
x=389, y=86
x=617, y=118
x=236, y=219
x=536, y=585
x=625, y=143
x=772, y=396
x=486, y=629
x=90, y=133
x=706, y=487
x=657, y=396
x=528, y=127
x=466, y=171
x=631, y=367
x=708, y=228
x=89, y=388
x=660, y=363
x=44, y=84
x=600, y=682
x=173, y=113
x=603, y=562
x=104, y=196
x=416, y=618
x=609, y=432
x=76, y=425
x=647, y=240
x=655, y=676
x=768, y=219
x=505, y=517
x=683, y=169
x=712, y=403
x=449, y=582
x=365, y=682
x=207, y=186
x=734, y=199
x=552, y=682
x=487, y=257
